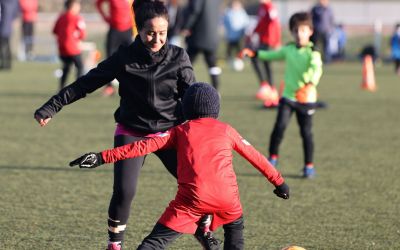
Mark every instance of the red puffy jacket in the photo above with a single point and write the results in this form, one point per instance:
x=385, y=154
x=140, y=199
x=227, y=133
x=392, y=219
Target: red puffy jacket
x=70, y=29
x=29, y=10
x=119, y=16
x=268, y=26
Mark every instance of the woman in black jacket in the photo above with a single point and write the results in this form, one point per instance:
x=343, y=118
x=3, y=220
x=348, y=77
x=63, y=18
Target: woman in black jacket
x=153, y=77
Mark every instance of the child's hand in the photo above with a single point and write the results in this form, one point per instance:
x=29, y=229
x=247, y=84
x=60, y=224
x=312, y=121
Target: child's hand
x=307, y=94
x=89, y=160
x=246, y=52
x=282, y=191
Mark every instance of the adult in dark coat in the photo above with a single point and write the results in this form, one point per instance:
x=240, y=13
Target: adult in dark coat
x=8, y=12
x=200, y=28
x=175, y=13
x=323, y=21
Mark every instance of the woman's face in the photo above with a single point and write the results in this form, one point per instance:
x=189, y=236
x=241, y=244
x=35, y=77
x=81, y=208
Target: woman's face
x=154, y=33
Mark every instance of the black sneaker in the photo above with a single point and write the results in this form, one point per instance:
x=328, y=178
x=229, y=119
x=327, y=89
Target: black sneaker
x=207, y=240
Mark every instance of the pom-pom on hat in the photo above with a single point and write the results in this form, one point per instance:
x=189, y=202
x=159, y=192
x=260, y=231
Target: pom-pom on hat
x=200, y=100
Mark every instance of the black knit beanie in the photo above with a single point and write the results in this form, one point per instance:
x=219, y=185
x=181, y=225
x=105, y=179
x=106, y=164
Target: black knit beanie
x=200, y=100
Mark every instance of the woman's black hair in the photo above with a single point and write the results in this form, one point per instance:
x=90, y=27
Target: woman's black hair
x=148, y=9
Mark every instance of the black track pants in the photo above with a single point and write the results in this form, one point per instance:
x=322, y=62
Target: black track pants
x=161, y=236
x=67, y=62
x=304, y=119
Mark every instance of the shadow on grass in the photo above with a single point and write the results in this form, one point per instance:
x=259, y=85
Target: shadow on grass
x=26, y=94
x=50, y=168
x=236, y=98
x=286, y=176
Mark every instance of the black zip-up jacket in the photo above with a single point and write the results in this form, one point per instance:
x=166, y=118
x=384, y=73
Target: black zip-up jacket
x=151, y=85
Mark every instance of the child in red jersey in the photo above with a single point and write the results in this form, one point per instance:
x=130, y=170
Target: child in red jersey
x=206, y=179
x=266, y=35
x=70, y=30
x=29, y=9
x=119, y=17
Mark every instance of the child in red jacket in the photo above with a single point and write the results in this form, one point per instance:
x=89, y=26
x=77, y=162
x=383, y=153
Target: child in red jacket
x=206, y=179
x=119, y=17
x=70, y=30
x=266, y=35
x=29, y=9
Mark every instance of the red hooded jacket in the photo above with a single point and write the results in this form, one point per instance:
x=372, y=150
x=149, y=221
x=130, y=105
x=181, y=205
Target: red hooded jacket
x=268, y=26
x=119, y=16
x=70, y=29
x=206, y=180
x=29, y=10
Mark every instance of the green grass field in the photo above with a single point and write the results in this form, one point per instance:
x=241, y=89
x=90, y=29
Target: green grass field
x=353, y=203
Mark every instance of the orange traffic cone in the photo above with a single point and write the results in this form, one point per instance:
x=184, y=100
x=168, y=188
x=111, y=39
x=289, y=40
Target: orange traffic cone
x=368, y=75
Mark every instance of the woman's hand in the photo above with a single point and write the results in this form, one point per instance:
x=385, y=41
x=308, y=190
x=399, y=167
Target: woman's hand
x=42, y=121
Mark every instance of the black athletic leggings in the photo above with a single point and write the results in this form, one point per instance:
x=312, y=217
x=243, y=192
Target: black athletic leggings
x=232, y=49
x=397, y=66
x=304, y=115
x=27, y=34
x=321, y=42
x=161, y=236
x=116, y=38
x=5, y=53
x=67, y=61
x=210, y=57
x=263, y=73
x=126, y=174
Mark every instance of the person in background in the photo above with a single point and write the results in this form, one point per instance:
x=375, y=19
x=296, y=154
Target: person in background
x=29, y=9
x=153, y=77
x=119, y=18
x=175, y=12
x=8, y=12
x=266, y=35
x=206, y=178
x=337, y=43
x=395, y=48
x=324, y=25
x=200, y=27
x=236, y=21
x=340, y=39
x=303, y=70
x=70, y=30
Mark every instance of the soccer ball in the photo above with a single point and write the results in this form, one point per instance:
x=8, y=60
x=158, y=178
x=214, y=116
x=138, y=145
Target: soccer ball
x=293, y=248
x=237, y=64
x=58, y=73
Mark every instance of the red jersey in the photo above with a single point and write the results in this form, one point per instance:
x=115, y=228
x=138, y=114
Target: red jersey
x=70, y=29
x=268, y=26
x=29, y=10
x=206, y=179
x=119, y=16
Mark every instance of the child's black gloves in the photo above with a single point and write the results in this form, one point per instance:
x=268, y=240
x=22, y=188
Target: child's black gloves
x=282, y=191
x=89, y=160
